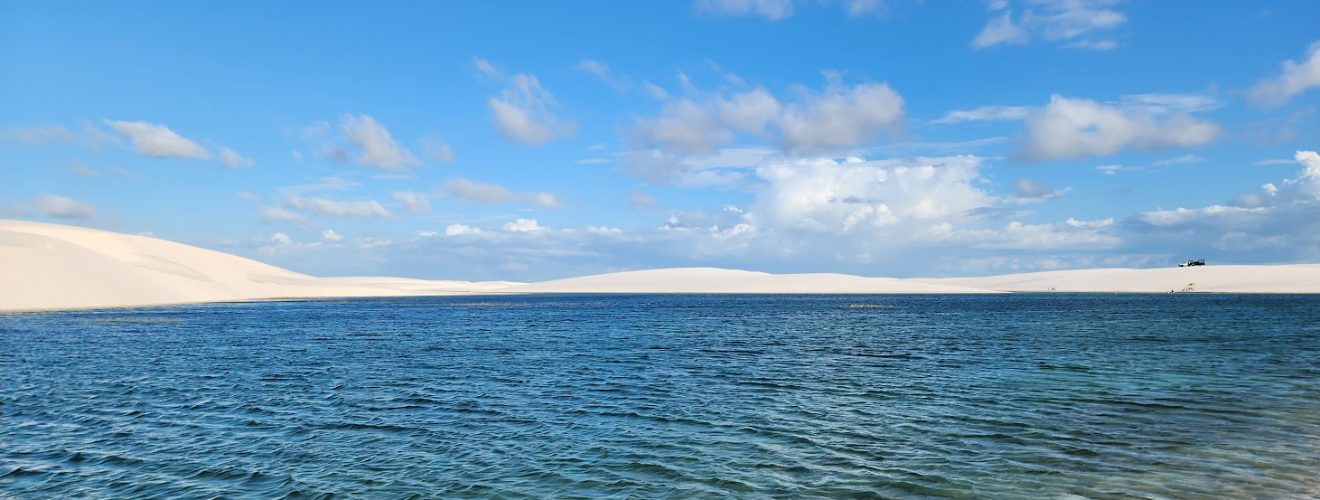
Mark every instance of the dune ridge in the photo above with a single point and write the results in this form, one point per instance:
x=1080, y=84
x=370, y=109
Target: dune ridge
x=58, y=267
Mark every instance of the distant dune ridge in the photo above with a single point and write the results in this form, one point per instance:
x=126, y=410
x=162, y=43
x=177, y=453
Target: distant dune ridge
x=57, y=267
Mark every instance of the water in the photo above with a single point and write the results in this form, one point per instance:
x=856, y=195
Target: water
x=1038, y=396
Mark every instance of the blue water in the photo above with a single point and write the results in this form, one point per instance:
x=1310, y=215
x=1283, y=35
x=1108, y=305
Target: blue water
x=1037, y=396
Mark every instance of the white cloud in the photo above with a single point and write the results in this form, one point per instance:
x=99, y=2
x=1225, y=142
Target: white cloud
x=1279, y=221
x=749, y=112
x=281, y=239
x=602, y=71
x=157, y=141
x=544, y=199
x=486, y=68
x=523, y=226
x=682, y=145
x=63, y=207
x=375, y=146
x=270, y=214
x=460, y=229
x=413, y=202
x=524, y=112
x=985, y=113
x=436, y=150
x=772, y=10
x=841, y=117
x=335, y=208
x=88, y=136
x=232, y=159
x=1113, y=169
x=331, y=236
x=1179, y=160
x=1090, y=224
x=1294, y=78
x=1169, y=103
x=1073, y=128
x=655, y=91
x=461, y=188
x=481, y=192
x=1027, y=189
x=685, y=126
x=1000, y=30
x=1072, y=21
x=1096, y=45
x=872, y=198
x=775, y=10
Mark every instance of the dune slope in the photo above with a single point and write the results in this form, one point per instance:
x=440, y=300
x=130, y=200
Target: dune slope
x=51, y=266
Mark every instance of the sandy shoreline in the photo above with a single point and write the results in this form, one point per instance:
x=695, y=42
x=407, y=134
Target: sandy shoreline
x=49, y=267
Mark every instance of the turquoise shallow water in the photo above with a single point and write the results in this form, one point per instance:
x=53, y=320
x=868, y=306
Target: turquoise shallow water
x=1016, y=396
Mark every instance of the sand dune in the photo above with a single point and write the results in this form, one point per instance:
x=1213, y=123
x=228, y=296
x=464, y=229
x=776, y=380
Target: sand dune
x=1292, y=278
x=55, y=267
x=714, y=280
x=51, y=266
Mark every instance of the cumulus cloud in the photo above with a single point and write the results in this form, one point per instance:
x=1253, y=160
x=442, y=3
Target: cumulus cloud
x=158, y=141
x=523, y=226
x=888, y=216
x=827, y=196
x=460, y=230
x=1294, y=78
x=331, y=236
x=413, y=202
x=524, y=110
x=1278, y=221
x=281, y=239
x=1073, y=128
x=482, y=192
x=374, y=145
x=63, y=207
x=687, y=143
x=335, y=208
x=841, y=116
x=1071, y=21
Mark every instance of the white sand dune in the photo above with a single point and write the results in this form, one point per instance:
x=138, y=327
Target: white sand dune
x=51, y=266
x=57, y=267
x=714, y=280
x=1291, y=278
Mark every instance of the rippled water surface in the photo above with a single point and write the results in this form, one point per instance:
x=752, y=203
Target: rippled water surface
x=1039, y=396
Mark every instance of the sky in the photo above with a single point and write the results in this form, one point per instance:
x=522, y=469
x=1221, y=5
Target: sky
x=537, y=140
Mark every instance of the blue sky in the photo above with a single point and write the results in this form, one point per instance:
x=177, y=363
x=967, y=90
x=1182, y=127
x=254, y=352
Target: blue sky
x=534, y=140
